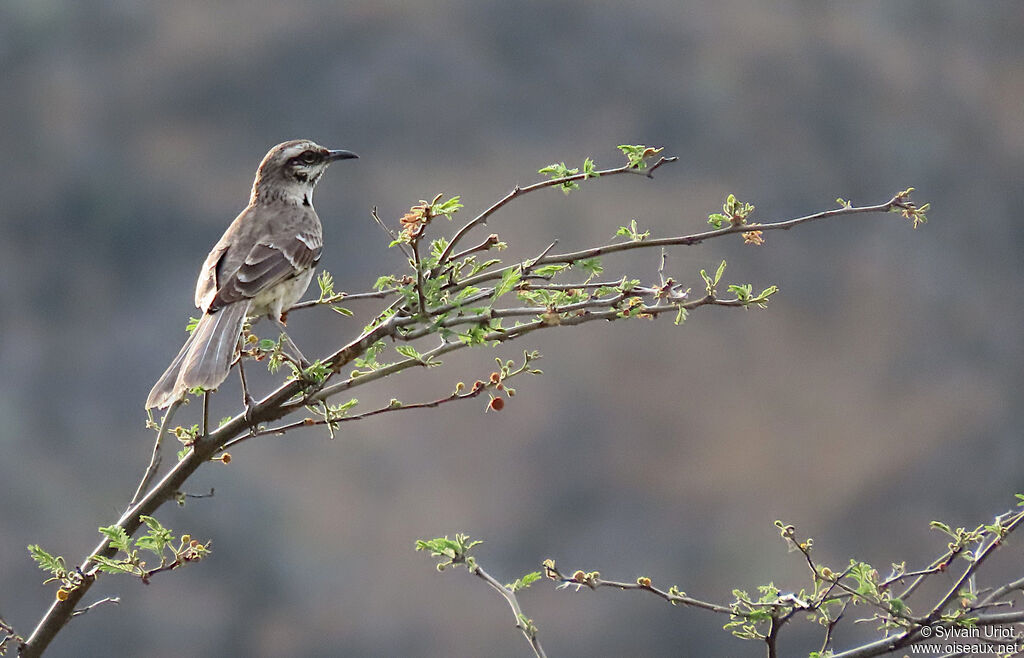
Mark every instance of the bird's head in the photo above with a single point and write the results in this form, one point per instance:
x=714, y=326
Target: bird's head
x=290, y=171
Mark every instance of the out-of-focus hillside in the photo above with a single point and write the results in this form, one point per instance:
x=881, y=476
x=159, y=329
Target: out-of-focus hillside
x=880, y=389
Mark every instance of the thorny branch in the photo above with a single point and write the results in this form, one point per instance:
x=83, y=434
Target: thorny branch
x=413, y=313
x=454, y=552
x=831, y=594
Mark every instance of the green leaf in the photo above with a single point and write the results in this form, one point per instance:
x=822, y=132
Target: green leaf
x=718, y=274
x=409, y=351
x=106, y=565
x=316, y=373
x=632, y=232
x=326, y=283
x=525, y=581
x=734, y=212
x=637, y=154
x=465, y=293
x=560, y=170
x=742, y=292
x=345, y=406
x=342, y=311
x=437, y=247
x=150, y=543
x=480, y=267
x=473, y=336
x=50, y=563
x=446, y=208
x=153, y=524
x=119, y=539
x=157, y=538
x=549, y=270
x=591, y=266
x=509, y=279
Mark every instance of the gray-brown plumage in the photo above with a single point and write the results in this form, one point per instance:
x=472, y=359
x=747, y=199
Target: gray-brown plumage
x=260, y=267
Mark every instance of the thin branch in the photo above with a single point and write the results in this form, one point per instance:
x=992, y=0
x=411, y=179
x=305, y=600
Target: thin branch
x=772, y=639
x=830, y=629
x=530, y=264
x=288, y=396
x=571, y=257
x=344, y=296
x=8, y=635
x=418, y=266
x=520, y=191
x=504, y=335
x=973, y=567
x=488, y=242
x=937, y=566
x=522, y=623
x=529, y=285
x=475, y=392
x=114, y=600
x=1000, y=592
x=593, y=581
x=697, y=238
x=394, y=236
x=154, y=459
x=198, y=496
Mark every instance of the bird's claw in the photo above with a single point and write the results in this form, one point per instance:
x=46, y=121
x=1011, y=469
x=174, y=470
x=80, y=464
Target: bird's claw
x=250, y=409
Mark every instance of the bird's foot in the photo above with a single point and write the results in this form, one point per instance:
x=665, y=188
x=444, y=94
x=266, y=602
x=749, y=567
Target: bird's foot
x=250, y=410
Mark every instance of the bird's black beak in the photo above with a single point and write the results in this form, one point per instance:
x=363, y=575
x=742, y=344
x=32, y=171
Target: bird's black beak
x=340, y=155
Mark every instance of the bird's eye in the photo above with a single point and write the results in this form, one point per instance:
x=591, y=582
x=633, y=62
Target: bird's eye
x=310, y=157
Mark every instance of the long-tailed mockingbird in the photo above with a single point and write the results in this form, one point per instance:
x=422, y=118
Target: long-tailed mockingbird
x=260, y=267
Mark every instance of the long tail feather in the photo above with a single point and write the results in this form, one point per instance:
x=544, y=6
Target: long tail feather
x=163, y=392
x=205, y=358
x=208, y=361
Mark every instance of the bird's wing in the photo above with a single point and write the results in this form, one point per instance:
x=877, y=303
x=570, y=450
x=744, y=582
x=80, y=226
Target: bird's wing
x=260, y=259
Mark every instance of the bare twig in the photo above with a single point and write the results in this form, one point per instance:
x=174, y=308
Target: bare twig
x=475, y=392
x=391, y=234
x=114, y=600
x=210, y=494
x=154, y=459
x=488, y=242
x=593, y=581
x=344, y=296
x=8, y=636
x=522, y=623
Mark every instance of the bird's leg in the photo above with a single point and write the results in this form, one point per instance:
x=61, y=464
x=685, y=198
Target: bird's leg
x=206, y=413
x=247, y=399
x=296, y=354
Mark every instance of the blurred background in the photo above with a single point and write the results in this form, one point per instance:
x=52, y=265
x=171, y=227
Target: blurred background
x=880, y=390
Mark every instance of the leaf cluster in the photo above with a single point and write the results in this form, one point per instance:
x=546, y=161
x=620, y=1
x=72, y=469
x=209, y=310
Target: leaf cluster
x=158, y=541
